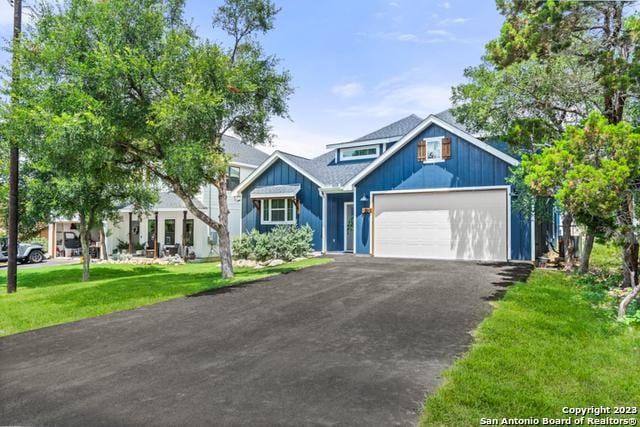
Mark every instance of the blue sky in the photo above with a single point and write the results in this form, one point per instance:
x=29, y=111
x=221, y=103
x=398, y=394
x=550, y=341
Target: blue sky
x=358, y=65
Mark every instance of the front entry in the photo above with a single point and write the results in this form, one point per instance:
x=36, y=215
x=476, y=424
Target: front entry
x=348, y=227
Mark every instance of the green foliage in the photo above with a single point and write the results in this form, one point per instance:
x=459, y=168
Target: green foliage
x=282, y=242
x=528, y=103
x=129, y=87
x=632, y=319
x=553, y=63
x=590, y=172
x=122, y=245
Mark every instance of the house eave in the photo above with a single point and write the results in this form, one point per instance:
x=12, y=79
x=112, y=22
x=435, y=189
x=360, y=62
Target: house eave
x=360, y=143
x=265, y=165
x=334, y=190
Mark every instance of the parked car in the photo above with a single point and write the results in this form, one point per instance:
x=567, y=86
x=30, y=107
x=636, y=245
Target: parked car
x=71, y=240
x=27, y=252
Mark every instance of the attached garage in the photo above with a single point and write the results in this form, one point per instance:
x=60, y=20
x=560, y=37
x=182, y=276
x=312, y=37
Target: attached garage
x=454, y=224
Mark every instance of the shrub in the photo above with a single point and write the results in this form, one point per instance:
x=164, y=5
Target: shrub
x=282, y=242
x=122, y=245
x=41, y=241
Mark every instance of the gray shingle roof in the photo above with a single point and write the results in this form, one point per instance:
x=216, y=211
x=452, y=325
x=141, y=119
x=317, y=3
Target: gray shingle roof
x=325, y=169
x=241, y=152
x=395, y=129
x=168, y=200
x=289, y=190
x=448, y=117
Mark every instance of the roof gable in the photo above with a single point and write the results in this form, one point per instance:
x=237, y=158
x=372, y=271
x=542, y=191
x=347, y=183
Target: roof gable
x=242, y=153
x=167, y=201
x=289, y=159
x=432, y=119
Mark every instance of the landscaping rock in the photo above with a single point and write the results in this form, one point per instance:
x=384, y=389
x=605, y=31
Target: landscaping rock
x=275, y=262
x=298, y=259
x=128, y=259
x=245, y=263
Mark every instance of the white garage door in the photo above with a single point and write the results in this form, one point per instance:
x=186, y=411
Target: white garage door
x=468, y=225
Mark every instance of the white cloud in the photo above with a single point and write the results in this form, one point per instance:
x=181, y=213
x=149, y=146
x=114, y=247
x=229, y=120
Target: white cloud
x=291, y=138
x=445, y=5
x=402, y=94
x=449, y=21
x=394, y=4
x=420, y=99
x=347, y=90
x=403, y=37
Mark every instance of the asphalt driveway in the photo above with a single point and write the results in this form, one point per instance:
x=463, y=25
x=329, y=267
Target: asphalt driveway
x=356, y=342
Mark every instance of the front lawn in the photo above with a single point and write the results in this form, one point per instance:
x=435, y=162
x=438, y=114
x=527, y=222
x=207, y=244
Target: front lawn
x=52, y=295
x=545, y=346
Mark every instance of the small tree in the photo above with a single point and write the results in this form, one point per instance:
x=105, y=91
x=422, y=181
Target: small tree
x=83, y=177
x=593, y=171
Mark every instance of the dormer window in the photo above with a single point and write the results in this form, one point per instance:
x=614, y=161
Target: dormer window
x=357, y=153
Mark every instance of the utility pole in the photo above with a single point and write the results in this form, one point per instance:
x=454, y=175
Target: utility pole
x=14, y=158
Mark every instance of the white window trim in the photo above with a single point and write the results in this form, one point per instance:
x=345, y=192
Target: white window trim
x=364, y=147
x=267, y=202
x=437, y=139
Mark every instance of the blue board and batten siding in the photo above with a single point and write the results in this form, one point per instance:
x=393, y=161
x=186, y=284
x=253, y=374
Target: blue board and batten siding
x=310, y=212
x=469, y=166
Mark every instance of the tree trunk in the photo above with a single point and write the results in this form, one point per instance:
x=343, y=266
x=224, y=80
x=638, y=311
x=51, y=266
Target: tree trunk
x=630, y=254
x=622, y=308
x=103, y=244
x=630, y=261
x=224, y=242
x=221, y=226
x=567, y=219
x=586, y=252
x=84, y=242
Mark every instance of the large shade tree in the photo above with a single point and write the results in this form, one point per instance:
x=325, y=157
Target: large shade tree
x=168, y=96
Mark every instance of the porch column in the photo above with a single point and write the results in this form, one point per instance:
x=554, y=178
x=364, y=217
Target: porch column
x=155, y=238
x=52, y=240
x=184, y=232
x=130, y=233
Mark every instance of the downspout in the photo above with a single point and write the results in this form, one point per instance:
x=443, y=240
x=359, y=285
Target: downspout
x=324, y=221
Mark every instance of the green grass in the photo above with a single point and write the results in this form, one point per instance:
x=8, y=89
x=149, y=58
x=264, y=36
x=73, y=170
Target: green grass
x=52, y=295
x=606, y=256
x=545, y=346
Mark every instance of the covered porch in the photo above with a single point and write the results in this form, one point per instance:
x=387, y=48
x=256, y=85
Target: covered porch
x=168, y=228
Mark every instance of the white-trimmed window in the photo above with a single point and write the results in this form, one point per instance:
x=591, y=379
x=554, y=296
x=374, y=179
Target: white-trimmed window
x=434, y=150
x=364, y=152
x=278, y=211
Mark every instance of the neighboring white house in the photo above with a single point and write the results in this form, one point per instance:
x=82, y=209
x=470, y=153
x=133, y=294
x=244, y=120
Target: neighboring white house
x=177, y=228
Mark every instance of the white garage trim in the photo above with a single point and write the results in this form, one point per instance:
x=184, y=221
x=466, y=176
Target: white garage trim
x=532, y=235
x=507, y=189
